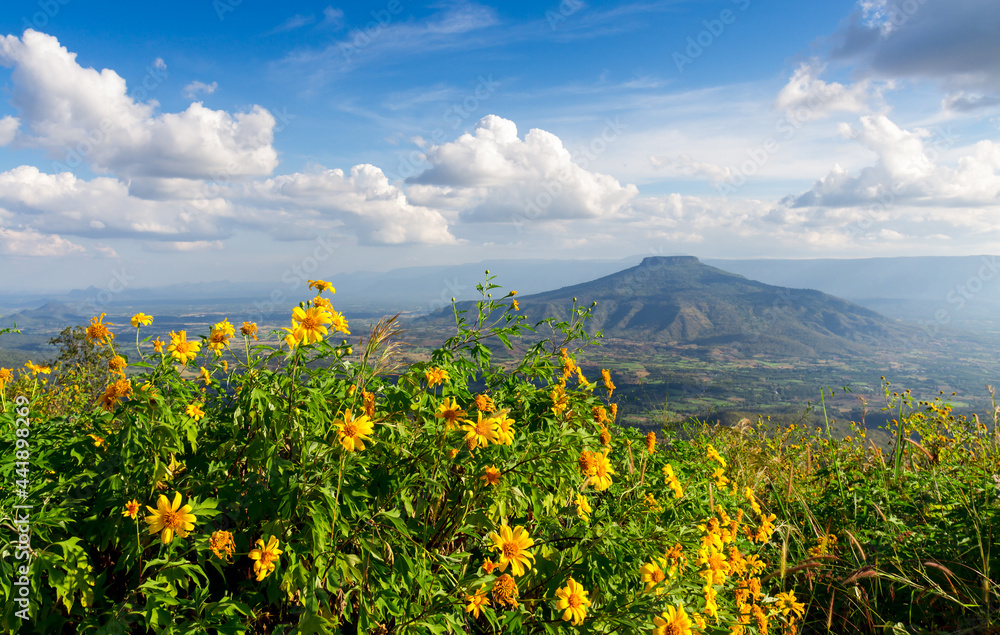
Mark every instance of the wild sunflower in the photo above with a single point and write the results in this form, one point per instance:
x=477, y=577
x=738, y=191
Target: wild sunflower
x=583, y=509
x=601, y=480
x=117, y=364
x=141, y=319
x=482, y=432
x=512, y=546
x=673, y=621
x=435, y=376
x=37, y=368
x=491, y=475
x=249, y=329
x=450, y=412
x=606, y=376
x=222, y=545
x=5, y=376
x=485, y=403
x=131, y=509
x=477, y=601
x=321, y=286
x=505, y=591
x=573, y=598
x=195, y=412
x=220, y=335
x=170, y=518
x=353, y=432
x=181, y=349
x=505, y=430
x=265, y=557
x=309, y=325
x=651, y=574
x=98, y=331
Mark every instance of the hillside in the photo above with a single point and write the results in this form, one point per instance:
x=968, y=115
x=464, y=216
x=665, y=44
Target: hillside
x=679, y=300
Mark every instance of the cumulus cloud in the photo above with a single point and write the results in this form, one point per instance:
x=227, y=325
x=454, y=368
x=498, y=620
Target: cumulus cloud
x=907, y=171
x=363, y=202
x=496, y=176
x=81, y=115
x=29, y=242
x=812, y=98
x=103, y=208
x=195, y=87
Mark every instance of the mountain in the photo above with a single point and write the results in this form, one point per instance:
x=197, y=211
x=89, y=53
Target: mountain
x=937, y=291
x=681, y=301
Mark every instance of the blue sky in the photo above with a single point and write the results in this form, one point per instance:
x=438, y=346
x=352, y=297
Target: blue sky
x=234, y=140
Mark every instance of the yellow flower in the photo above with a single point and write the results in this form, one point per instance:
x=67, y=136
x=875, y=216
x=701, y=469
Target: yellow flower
x=477, y=601
x=181, y=349
x=131, y=509
x=605, y=436
x=568, y=365
x=651, y=574
x=452, y=453
x=206, y=376
x=353, y=432
x=195, y=412
x=606, y=375
x=141, y=319
x=720, y=478
x=5, y=376
x=583, y=508
x=651, y=442
x=481, y=433
x=222, y=545
x=219, y=336
x=158, y=345
x=322, y=303
x=98, y=330
x=672, y=482
x=505, y=433
x=450, y=412
x=715, y=456
x=766, y=528
x=786, y=604
x=122, y=388
x=560, y=400
x=109, y=398
x=308, y=325
x=574, y=600
x=321, y=286
x=492, y=475
x=512, y=546
x=117, y=364
x=601, y=480
x=485, y=403
x=369, y=401
x=340, y=325
x=489, y=566
x=761, y=619
x=754, y=505
x=504, y=591
x=249, y=329
x=265, y=557
x=435, y=376
x=98, y=440
x=170, y=518
x=652, y=503
x=36, y=368
x=673, y=621
x=614, y=411
x=513, y=303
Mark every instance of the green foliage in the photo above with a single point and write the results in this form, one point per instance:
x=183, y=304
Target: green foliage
x=323, y=487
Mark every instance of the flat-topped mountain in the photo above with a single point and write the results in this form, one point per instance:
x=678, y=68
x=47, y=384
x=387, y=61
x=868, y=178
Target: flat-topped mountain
x=679, y=300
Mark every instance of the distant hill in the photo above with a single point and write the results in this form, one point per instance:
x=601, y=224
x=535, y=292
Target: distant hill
x=943, y=291
x=679, y=300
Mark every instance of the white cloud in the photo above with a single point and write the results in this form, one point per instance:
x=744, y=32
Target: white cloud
x=363, y=203
x=29, y=242
x=684, y=165
x=907, y=171
x=81, y=115
x=496, y=176
x=195, y=87
x=809, y=97
x=8, y=129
